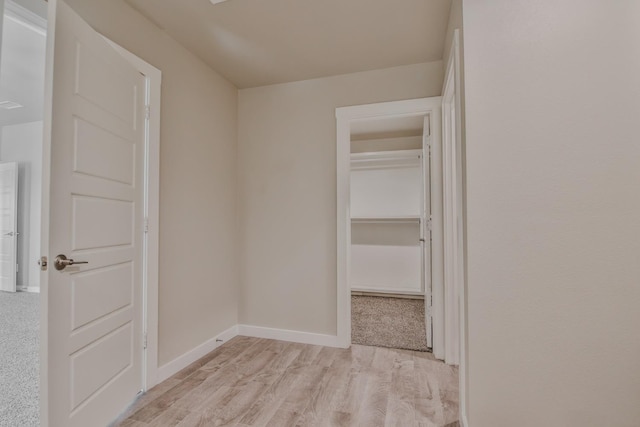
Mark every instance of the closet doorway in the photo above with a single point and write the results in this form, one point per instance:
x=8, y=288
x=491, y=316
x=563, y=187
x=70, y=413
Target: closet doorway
x=389, y=214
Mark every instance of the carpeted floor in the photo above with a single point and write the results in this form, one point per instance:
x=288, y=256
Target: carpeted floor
x=19, y=362
x=388, y=322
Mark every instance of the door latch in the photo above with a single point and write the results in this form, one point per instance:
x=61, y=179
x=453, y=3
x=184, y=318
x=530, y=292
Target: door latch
x=42, y=262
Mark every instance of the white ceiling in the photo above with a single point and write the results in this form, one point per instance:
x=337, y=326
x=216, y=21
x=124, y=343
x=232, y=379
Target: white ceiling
x=22, y=71
x=261, y=42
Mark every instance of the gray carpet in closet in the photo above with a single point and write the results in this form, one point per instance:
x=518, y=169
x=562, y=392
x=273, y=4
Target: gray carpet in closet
x=19, y=363
x=388, y=322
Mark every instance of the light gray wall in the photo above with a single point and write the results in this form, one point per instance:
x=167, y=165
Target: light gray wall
x=553, y=214
x=287, y=183
x=22, y=70
x=1, y=25
x=23, y=144
x=198, y=288
x=39, y=7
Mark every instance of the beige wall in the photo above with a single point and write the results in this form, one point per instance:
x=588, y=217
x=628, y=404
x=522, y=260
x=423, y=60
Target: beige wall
x=287, y=183
x=455, y=23
x=198, y=271
x=553, y=163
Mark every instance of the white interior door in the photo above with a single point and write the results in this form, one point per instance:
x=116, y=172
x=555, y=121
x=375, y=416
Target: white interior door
x=426, y=228
x=8, y=225
x=95, y=217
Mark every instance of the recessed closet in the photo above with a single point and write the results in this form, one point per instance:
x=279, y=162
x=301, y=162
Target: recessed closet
x=389, y=210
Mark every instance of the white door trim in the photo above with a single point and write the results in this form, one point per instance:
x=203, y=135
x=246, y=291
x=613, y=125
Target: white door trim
x=153, y=78
x=44, y=218
x=12, y=233
x=455, y=337
x=452, y=197
x=344, y=116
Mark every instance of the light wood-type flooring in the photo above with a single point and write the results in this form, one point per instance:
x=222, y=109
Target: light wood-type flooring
x=260, y=382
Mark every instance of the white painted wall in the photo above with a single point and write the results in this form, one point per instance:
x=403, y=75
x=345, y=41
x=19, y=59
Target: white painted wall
x=22, y=67
x=553, y=214
x=22, y=143
x=198, y=282
x=1, y=25
x=386, y=192
x=386, y=257
x=287, y=190
x=39, y=7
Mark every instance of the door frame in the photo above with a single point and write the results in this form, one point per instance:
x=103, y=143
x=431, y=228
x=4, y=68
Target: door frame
x=153, y=78
x=344, y=117
x=14, y=227
x=452, y=95
x=453, y=203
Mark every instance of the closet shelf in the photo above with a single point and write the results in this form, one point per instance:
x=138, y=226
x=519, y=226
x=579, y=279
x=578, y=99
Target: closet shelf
x=386, y=160
x=385, y=219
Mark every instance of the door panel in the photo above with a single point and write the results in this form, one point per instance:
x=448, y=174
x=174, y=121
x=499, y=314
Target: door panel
x=96, y=216
x=114, y=217
x=101, y=82
x=112, y=354
x=8, y=225
x=102, y=153
x=102, y=291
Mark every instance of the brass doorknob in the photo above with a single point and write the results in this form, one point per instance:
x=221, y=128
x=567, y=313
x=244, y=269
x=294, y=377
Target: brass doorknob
x=62, y=262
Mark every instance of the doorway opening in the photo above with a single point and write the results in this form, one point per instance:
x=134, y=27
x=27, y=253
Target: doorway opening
x=22, y=75
x=389, y=186
x=390, y=235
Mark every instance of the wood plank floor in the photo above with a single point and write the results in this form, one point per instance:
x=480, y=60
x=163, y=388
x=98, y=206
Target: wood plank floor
x=259, y=382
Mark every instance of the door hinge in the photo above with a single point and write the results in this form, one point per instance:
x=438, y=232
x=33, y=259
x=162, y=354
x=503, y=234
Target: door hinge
x=147, y=112
x=429, y=309
x=146, y=225
x=429, y=224
x=144, y=341
x=17, y=268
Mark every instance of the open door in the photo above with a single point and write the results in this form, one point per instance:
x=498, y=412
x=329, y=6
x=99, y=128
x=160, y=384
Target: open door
x=95, y=227
x=453, y=216
x=8, y=225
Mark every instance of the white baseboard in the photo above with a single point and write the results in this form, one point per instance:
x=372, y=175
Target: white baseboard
x=167, y=370
x=34, y=289
x=176, y=365
x=288, y=335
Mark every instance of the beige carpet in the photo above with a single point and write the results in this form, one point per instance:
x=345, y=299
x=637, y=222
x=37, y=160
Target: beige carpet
x=388, y=322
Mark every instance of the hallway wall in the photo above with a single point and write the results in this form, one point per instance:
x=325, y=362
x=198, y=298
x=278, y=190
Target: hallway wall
x=553, y=164
x=287, y=190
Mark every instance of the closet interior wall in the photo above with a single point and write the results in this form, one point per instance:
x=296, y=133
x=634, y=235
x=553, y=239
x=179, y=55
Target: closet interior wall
x=387, y=213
